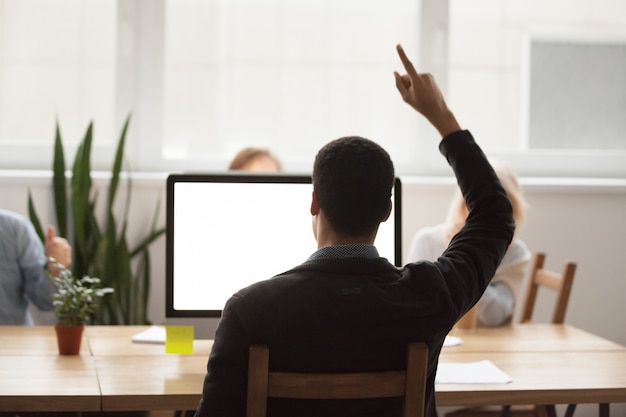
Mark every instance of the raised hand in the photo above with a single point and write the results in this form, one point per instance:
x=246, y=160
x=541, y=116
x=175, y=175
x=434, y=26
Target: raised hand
x=421, y=92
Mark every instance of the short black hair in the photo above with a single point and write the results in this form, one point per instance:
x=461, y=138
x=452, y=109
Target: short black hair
x=353, y=178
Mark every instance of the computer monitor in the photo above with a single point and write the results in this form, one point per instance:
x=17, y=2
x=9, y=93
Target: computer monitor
x=226, y=231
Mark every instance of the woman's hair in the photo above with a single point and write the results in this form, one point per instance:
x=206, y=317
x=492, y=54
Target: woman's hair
x=458, y=212
x=247, y=155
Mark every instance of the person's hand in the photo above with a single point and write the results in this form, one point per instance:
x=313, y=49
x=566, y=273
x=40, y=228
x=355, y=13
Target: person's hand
x=58, y=249
x=421, y=92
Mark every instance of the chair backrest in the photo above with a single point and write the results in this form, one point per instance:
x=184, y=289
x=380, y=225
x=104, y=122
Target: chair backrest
x=409, y=384
x=559, y=282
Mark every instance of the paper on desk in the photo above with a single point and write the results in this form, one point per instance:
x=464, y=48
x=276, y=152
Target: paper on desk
x=153, y=334
x=481, y=372
x=452, y=341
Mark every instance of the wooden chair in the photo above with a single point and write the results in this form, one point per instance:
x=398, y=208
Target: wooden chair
x=409, y=384
x=543, y=278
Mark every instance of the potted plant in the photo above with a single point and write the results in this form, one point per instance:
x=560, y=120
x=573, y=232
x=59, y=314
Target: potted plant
x=74, y=305
x=99, y=238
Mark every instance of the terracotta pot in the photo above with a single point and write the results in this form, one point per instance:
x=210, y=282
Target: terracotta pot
x=69, y=338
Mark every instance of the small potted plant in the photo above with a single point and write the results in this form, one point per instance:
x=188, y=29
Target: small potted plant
x=74, y=305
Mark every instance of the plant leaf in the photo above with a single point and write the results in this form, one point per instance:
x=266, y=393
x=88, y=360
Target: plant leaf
x=124, y=278
x=117, y=165
x=153, y=235
x=81, y=187
x=142, y=288
x=100, y=261
x=34, y=219
x=59, y=182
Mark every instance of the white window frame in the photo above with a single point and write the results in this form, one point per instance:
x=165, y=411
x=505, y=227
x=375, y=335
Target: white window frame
x=562, y=163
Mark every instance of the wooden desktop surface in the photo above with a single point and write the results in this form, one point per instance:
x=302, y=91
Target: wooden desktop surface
x=531, y=337
x=567, y=377
x=48, y=383
x=32, y=340
x=116, y=341
x=548, y=364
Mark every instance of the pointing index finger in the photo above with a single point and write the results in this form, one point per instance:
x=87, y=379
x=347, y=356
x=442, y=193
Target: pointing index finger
x=408, y=65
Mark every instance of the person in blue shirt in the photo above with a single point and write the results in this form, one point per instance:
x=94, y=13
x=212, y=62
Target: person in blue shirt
x=24, y=264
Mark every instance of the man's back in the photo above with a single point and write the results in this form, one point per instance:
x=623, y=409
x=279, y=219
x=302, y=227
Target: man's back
x=350, y=313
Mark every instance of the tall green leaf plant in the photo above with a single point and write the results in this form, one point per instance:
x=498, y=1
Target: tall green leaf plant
x=101, y=251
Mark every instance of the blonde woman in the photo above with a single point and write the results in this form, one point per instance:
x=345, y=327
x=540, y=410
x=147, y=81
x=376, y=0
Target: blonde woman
x=497, y=305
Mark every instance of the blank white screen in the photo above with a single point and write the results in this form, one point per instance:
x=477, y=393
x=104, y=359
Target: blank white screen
x=228, y=235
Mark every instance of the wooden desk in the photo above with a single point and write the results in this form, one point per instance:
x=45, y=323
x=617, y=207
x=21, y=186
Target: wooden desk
x=48, y=383
x=172, y=382
x=531, y=337
x=32, y=340
x=567, y=377
x=541, y=359
x=116, y=341
x=33, y=377
x=556, y=364
x=139, y=382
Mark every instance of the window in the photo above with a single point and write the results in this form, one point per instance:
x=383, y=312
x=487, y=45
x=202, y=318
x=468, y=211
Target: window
x=511, y=62
x=288, y=75
x=577, y=94
x=204, y=78
x=57, y=62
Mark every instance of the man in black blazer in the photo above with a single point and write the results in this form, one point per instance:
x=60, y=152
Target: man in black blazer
x=347, y=309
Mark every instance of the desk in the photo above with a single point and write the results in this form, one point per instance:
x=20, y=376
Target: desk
x=556, y=364
x=32, y=341
x=48, y=383
x=115, y=341
x=173, y=382
x=574, y=377
x=531, y=337
x=138, y=382
x=140, y=376
x=33, y=377
x=549, y=364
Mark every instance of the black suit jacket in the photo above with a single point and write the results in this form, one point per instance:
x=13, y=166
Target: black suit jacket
x=359, y=314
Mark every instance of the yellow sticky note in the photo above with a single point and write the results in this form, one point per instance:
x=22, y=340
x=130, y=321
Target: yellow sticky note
x=179, y=339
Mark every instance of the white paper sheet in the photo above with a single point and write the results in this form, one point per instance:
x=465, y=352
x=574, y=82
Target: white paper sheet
x=452, y=341
x=481, y=372
x=154, y=334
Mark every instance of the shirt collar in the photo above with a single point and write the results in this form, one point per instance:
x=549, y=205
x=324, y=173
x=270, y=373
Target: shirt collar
x=357, y=250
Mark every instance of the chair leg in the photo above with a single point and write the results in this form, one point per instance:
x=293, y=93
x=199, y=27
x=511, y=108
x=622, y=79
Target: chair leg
x=570, y=410
x=550, y=410
x=540, y=411
x=506, y=411
x=604, y=409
